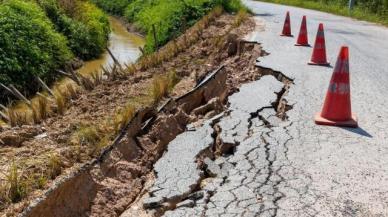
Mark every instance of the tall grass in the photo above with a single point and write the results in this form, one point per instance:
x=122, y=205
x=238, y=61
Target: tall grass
x=368, y=10
x=17, y=186
x=162, y=85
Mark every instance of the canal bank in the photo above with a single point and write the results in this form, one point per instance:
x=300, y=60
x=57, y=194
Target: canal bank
x=123, y=44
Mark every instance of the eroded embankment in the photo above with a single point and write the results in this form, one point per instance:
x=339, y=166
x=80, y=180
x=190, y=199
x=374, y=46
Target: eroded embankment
x=44, y=154
x=114, y=179
x=201, y=163
x=107, y=186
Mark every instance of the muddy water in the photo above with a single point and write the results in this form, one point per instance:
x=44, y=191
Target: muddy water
x=123, y=44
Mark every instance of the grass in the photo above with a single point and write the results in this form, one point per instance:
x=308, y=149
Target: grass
x=84, y=140
x=241, y=16
x=54, y=166
x=159, y=87
x=162, y=85
x=17, y=186
x=358, y=12
x=60, y=101
x=39, y=109
x=123, y=116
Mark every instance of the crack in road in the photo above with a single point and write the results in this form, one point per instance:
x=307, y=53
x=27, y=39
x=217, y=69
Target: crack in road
x=251, y=185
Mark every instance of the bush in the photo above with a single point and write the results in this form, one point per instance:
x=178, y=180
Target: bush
x=85, y=26
x=116, y=7
x=98, y=27
x=29, y=45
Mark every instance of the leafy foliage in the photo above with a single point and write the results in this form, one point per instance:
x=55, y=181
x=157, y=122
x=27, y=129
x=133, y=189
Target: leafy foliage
x=370, y=10
x=39, y=36
x=29, y=44
x=85, y=26
x=116, y=7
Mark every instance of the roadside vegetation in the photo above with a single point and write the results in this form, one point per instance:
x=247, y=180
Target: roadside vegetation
x=40, y=36
x=163, y=20
x=369, y=10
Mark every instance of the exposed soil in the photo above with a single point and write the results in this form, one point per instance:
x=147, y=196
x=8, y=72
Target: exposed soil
x=118, y=181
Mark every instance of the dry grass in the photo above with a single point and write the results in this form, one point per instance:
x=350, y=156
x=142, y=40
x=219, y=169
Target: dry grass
x=159, y=88
x=72, y=90
x=17, y=186
x=40, y=109
x=241, y=16
x=3, y=195
x=173, y=79
x=84, y=135
x=54, y=166
x=162, y=85
x=123, y=117
x=16, y=118
x=60, y=101
x=97, y=77
x=87, y=82
x=86, y=141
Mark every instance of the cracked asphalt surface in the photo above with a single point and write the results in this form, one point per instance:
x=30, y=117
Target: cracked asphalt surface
x=291, y=167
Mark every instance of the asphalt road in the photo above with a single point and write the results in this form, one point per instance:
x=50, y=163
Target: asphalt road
x=292, y=167
x=347, y=169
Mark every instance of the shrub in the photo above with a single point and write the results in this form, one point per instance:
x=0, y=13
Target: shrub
x=85, y=26
x=29, y=45
x=116, y=7
x=98, y=28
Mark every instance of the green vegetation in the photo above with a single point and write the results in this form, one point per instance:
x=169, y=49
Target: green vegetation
x=29, y=45
x=164, y=20
x=169, y=18
x=85, y=26
x=40, y=36
x=116, y=7
x=369, y=10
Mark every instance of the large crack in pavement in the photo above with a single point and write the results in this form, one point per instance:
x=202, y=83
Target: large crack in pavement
x=237, y=171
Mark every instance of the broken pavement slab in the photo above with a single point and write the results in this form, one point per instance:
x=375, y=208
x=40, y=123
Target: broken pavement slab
x=177, y=172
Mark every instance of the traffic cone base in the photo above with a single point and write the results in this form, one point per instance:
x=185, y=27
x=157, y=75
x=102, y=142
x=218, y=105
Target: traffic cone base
x=303, y=45
x=287, y=35
x=348, y=123
x=319, y=64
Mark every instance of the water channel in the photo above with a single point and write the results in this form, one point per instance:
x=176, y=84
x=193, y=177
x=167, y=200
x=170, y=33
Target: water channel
x=123, y=44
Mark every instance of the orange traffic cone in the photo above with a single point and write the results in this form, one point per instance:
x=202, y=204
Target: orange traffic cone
x=287, y=26
x=303, y=38
x=319, y=52
x=337, y=110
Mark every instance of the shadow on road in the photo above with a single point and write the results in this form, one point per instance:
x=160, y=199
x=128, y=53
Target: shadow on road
x=358, y=131
x=264, y=14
